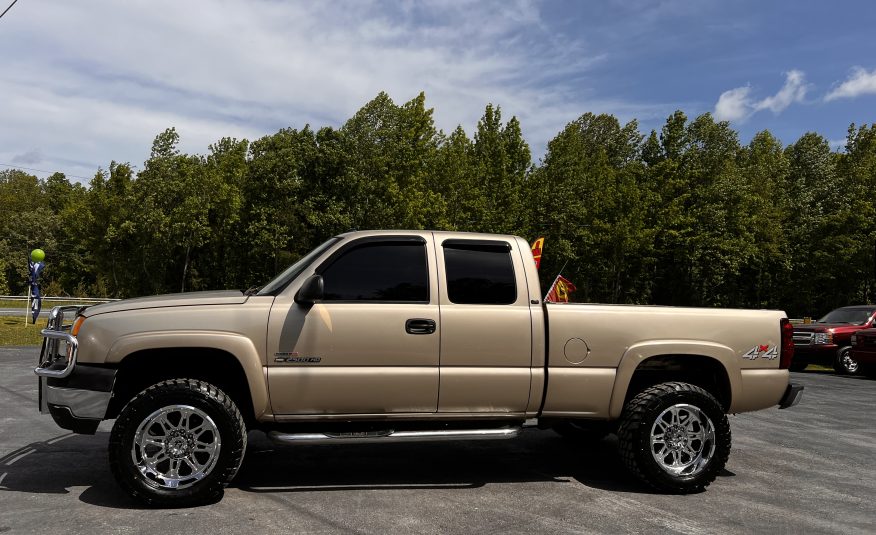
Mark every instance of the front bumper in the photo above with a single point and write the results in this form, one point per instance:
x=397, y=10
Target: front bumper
x=864, y=356
x=78, y=402
x=792, y=396
x=76, y=395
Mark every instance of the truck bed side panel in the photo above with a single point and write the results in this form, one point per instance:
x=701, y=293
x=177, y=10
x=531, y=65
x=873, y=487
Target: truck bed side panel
x=595, y=349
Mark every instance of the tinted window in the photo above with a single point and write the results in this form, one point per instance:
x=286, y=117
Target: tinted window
x=479, y=274
x=855, y=316
x=381, y=271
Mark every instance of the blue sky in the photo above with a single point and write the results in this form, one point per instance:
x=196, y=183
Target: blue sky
x=92, y=81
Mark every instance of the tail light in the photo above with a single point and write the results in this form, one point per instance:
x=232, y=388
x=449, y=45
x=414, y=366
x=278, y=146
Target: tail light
x=787, y=353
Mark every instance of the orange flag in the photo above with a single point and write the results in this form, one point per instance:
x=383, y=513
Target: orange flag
x=537, y=246
x=560, y=290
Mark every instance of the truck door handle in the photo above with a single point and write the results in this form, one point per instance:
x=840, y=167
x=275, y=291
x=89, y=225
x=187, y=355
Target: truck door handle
x=420, y=326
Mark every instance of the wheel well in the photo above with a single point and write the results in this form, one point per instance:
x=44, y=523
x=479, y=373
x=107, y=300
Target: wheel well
x=704, y=372
x=143, y=369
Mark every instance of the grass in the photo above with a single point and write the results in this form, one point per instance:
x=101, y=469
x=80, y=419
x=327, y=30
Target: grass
x=13, y=331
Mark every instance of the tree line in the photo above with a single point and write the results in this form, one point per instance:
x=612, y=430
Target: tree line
x=685, y=216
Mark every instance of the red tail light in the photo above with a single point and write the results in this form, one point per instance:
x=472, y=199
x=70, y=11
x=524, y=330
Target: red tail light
x=787, y=353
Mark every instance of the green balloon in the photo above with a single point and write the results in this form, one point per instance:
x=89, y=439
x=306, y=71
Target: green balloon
x=37, y=255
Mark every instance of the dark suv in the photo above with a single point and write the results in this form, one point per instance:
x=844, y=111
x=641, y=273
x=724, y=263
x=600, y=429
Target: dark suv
x=828, y=340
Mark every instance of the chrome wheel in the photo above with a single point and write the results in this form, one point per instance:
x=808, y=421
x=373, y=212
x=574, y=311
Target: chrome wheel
x=176, y=446
x=848, y=363
x=682, y=440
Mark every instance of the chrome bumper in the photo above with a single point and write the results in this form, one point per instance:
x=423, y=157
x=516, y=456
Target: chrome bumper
x=53, y=361
x=77, y=396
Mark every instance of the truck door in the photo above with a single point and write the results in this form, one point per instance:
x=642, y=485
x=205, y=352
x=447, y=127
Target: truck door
x=371, y=345
x=486, y=328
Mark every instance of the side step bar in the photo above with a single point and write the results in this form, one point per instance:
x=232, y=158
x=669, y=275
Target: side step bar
x=370, y=437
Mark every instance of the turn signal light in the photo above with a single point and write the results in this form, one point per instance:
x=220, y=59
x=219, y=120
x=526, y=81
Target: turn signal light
x=76, y=325
x=787, y=353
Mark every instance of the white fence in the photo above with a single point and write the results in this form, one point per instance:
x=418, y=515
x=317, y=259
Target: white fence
x=65, y=299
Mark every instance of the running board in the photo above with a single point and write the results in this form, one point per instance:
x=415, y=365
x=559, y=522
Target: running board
x=370, y=437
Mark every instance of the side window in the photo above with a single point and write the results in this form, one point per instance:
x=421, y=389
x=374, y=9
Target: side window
x=379, y=271
x=479, y=273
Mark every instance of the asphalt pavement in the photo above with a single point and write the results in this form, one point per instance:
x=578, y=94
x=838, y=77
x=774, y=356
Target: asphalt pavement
x=808, y=469
x=44, y=313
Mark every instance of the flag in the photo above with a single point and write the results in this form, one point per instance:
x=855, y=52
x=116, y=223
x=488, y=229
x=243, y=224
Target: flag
x=560, y=290
x=537, y=246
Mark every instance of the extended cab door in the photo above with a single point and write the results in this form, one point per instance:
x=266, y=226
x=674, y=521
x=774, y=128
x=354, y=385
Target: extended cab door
x=486, y=327
x=371, y=345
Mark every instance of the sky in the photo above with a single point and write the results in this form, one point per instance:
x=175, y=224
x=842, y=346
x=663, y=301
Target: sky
x=88, y=82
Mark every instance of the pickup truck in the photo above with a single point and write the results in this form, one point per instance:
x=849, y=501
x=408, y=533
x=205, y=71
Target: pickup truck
x=829, y=340
x=394, y=336
x=863, y=352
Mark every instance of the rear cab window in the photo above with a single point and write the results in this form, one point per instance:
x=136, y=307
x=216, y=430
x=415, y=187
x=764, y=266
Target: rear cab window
x=479, y=272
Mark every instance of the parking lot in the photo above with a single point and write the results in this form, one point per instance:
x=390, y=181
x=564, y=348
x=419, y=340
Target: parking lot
x=809, y=469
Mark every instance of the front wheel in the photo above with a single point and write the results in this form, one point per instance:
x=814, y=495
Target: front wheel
x=177, y=443
x=844, y=362
x=675, y=437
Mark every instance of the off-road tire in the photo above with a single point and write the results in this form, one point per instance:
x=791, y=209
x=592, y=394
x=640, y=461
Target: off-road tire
x=201, y=396
x=634, y=435
x=845, y=366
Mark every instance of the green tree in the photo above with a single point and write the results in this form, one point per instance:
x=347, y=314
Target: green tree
x=589, y=204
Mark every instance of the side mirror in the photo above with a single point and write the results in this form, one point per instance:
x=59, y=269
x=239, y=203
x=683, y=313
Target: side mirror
x=311, y=291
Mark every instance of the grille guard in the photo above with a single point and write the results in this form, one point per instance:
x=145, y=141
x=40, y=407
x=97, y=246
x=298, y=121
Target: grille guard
x=55, y=332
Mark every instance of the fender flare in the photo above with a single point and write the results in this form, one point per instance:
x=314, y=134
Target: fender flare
x=238, y=346
x=640, y=352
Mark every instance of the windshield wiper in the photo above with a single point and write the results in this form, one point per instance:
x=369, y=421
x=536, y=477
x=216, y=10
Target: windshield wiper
x=252, y=290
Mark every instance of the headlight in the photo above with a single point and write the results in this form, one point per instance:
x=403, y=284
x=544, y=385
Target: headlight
x=823, y=338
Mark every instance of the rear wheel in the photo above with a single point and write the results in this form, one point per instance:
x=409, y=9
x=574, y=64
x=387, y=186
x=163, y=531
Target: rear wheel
x=177, y=443
x=675, y=437
x=844, y=363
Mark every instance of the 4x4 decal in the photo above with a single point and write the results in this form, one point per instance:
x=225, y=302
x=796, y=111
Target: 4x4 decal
x=762, y=351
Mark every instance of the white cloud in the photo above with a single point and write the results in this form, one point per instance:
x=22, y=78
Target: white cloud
x=860, y=82
x=737, y=105
x=793, y=91
x=734, y=105
x=94, y=80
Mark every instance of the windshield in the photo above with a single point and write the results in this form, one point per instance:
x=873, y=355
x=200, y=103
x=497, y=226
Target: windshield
x=281, y=280
x=852, y=316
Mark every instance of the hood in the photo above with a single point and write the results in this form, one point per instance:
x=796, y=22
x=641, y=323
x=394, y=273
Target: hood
x=224, y=297
x=823, y=327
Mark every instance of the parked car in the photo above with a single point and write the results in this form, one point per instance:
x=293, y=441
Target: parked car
x=864, y=351
x=828, y=341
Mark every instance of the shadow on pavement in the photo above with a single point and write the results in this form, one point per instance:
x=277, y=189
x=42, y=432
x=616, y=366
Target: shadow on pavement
x=537, y=456
x=56, y=465
x=864, y=376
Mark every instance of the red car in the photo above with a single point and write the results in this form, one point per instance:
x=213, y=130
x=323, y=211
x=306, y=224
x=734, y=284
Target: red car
x=829, y=340
x=864, y=351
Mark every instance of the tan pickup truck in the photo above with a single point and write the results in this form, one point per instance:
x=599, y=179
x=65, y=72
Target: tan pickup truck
x=388, y=336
